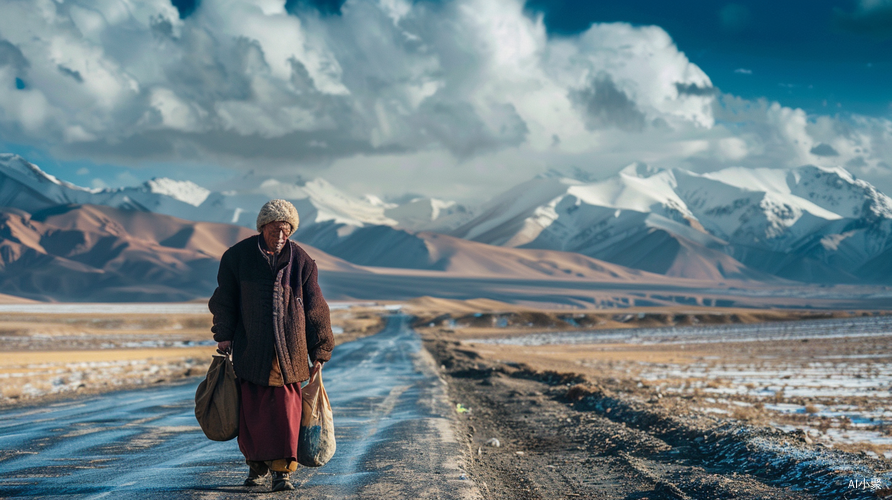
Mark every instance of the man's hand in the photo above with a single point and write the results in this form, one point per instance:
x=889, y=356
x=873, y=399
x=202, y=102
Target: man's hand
x=316, y=367
x=224, y=346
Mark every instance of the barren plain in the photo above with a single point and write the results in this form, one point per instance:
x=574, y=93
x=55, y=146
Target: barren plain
x=686, y=403
x=830, y=378
x=680, y=402
x=56, y=350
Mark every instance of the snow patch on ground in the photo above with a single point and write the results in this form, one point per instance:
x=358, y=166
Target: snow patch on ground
x=837, y=399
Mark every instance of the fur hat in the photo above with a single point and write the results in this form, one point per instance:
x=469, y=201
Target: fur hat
x=278, y=210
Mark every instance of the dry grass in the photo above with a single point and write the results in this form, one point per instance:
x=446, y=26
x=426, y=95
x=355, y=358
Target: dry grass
x=495, y=320
x=38, y=359
x=726, y=379
x=49, y=355
x=357, y=322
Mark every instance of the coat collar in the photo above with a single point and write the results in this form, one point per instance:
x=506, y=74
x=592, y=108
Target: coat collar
x=283, y=258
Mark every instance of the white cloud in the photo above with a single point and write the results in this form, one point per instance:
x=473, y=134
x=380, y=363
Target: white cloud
x=126, y=179
x=449, y=98
x=732, y=149
x=388, y=75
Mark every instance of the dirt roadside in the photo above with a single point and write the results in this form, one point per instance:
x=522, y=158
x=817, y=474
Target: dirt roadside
x=565, y=435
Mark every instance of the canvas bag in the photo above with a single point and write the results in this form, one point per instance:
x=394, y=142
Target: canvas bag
x=217, y=400
x=316, y=443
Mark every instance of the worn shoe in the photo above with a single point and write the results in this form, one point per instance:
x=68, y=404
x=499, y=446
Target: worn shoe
x=254, y=479
x=281, y=482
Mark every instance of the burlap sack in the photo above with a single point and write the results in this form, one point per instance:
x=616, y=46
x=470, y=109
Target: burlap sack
x=316, y=443
x=217, y=401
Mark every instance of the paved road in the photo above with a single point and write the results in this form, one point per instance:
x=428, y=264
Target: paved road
x=392, y=425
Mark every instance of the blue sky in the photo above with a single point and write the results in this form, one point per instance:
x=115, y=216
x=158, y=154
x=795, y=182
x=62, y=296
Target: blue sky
x=458, y=99
x=811, y=55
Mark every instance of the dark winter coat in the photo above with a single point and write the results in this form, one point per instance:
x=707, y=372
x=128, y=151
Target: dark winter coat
x=267, y=313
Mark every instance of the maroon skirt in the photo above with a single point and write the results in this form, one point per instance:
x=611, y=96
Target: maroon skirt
x=269, y=421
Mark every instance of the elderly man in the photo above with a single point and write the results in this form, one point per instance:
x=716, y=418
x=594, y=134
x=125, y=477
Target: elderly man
x=269, y=311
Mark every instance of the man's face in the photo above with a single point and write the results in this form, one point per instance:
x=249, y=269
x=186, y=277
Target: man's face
x=275, y=234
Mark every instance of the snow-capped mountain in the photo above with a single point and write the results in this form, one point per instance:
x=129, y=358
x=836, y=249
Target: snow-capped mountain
x=24, y=186
x=807, y=223
x=366, y=229
x=428, y=214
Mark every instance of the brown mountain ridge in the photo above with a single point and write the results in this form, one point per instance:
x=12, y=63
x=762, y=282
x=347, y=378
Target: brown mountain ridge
x=103, y=254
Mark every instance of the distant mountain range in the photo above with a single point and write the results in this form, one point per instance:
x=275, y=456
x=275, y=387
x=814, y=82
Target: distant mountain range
x=94, y=253
x=807, y=224
x=25, y=186
x=102, y=254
